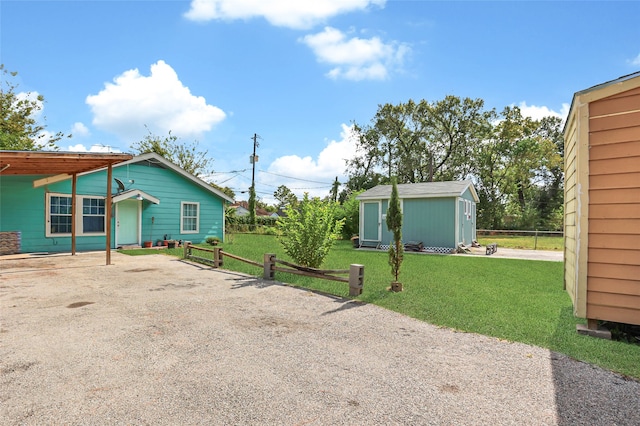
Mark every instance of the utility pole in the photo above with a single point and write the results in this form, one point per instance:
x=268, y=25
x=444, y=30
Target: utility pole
x=252, y=190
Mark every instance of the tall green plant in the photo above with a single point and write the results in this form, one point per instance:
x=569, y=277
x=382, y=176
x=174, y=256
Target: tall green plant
x=394, y=224
x=309, y=231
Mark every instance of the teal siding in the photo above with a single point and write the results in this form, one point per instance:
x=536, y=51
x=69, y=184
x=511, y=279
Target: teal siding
x=466, y=218
x=430, y=220
x=387, y=236
x=22, y=207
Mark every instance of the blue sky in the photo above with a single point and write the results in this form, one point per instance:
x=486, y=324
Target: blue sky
x=298, y=73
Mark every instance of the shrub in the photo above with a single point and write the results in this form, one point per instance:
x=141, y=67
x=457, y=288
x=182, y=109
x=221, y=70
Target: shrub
x=309, y=231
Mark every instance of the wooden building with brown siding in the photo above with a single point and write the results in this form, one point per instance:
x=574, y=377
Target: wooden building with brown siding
x=602, y=202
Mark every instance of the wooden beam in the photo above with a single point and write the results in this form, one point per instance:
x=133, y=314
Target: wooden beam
x=74, y=205
x=108, y=213
x=51, y=179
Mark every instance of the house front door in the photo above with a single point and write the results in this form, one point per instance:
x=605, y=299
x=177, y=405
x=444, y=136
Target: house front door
x=128, y=222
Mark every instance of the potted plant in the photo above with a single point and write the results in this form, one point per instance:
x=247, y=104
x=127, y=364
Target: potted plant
x=171, y=244
x=147, y=244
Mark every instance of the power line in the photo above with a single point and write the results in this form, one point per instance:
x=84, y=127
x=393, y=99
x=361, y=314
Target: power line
x=295, y=178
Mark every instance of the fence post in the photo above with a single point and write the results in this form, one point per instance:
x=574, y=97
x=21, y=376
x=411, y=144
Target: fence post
x=269, y=266
x=187, y=249
x=356, y=279
x=218, y=257
x=535, y=243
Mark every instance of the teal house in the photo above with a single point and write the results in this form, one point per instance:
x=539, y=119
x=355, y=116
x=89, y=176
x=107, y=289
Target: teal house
x=152, y=200
x=440, y=215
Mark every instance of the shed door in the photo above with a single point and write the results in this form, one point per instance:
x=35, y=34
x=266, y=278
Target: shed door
x=371, y=221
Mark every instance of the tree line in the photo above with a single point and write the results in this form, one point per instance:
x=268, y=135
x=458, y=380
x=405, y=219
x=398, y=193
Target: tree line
x=514, y=162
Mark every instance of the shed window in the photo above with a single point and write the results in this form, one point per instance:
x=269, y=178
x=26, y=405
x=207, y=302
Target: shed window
x=189, y=218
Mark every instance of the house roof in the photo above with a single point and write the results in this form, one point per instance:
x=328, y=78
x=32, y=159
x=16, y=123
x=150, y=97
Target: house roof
x=137, y=193
x=55, y=163
x=158, y=160
x=603, y=90
x=421, y=190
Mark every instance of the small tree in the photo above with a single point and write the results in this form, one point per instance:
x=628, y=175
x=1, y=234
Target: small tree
x=184, y=155
x=252, y=207
x=309, y=231
x=394, y=224
x=19, y=125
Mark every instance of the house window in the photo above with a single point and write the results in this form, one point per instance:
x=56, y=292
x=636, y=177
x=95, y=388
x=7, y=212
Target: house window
x=93, y=215
x=59, y=215
x=189, y=218
x=90, y=215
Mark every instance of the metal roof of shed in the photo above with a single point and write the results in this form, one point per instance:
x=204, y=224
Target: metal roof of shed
x=421, y=190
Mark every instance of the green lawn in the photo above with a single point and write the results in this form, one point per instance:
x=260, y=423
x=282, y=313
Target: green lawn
x=516, y=300
x=524, y=242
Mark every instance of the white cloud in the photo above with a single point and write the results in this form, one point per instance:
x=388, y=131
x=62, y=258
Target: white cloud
x=159, y=101
x=356, y=58
x=94, y=148
x=79, y=130
x=298, y=14
x=635, y=61
x=329, y=164
x=539, y=112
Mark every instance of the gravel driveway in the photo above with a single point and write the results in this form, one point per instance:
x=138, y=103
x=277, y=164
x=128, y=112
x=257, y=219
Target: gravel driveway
x=155, y=340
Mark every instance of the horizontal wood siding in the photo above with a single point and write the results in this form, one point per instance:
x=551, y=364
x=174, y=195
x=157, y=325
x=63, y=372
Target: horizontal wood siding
x=613, y=283
x=22, y=209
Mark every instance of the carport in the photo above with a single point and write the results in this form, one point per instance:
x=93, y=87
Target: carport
x=58, y=166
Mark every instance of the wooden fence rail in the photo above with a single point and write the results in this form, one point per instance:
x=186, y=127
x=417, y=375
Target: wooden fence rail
x=269, y=265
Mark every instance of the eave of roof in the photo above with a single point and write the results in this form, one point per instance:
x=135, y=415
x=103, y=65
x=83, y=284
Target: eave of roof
x=158, y=159
x=577, y=95
x=421, y=190
x=55, y=162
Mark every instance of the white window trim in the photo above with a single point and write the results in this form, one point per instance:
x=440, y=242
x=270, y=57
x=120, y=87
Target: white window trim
x=188, y=231
x=79, y=216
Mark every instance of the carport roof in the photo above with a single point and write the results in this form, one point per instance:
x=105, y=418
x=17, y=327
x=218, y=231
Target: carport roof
x=55, y=163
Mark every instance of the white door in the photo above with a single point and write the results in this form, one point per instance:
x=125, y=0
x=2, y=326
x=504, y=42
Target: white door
x=128, y=222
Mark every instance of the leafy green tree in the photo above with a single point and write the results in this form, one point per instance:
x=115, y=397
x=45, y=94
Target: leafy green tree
x=349, y=211
x=518, y=173
x=394, y=224
x=285, y=196
x=19, y=127
x=252, y=207
x=225, y=189
x=309, y=230
x=185, y=155
x=419, y=142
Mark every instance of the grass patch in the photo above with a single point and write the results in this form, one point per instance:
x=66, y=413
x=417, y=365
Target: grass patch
x=528, y=242
x=516, y=300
